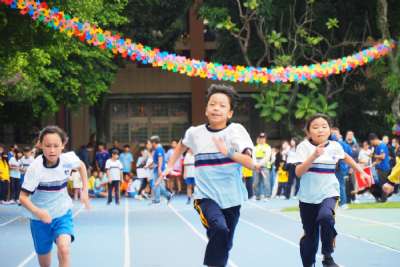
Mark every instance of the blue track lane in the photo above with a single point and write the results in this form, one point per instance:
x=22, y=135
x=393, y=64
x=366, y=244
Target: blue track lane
x=162, y=236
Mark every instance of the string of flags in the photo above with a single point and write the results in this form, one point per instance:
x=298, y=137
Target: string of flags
x=94, y=35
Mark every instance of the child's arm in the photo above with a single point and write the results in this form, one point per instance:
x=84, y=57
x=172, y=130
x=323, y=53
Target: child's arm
x=42, y=214
x=179, y=150
x=84, y=194
x=244, y=159
x=303, y=167
x=350, y=161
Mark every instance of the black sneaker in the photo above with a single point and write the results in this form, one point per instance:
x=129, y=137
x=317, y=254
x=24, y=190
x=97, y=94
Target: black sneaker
x=169, y=198
x=329, y=262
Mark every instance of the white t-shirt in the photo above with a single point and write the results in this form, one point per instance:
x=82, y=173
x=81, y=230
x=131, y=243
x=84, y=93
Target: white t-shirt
x=48, y=185
x=320, y=181
x=15, y=166
x=217, y=176
x=76, y=180
x=25, y=162
x=188, y=164
x=364, y=157
x=115, y=167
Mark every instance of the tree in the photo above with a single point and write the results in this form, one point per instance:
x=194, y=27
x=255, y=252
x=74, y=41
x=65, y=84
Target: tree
x=289, y=32
x=391, y=68
x=46, y=68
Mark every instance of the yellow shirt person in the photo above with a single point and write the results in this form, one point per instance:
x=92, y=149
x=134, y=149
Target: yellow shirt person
x=4, y=170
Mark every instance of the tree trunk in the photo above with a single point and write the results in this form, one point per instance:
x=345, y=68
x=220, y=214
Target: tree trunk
x=393, y=64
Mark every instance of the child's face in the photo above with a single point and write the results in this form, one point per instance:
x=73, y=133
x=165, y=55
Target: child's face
x=27, y=153
x=365, y=145
x=319, y=130
x=115, y=156
x=52, y=147
x=19, y=155
x=218, y=110
x=126, y=149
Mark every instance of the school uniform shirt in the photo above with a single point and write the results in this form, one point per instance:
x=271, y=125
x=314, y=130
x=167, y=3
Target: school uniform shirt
x=15, y=173
x=188, y=164
x=320, y=181
x=115, y=167
x=217, y=176
x=48, y=185
x=126, y=160
x=25, y=162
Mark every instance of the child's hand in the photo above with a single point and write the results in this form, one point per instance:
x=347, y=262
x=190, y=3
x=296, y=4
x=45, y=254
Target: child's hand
x=44, y=216
x=166, y=172
x=387, y=188
x=365, y=176
x=319, y=150
x=85, y=199
x=220, y=144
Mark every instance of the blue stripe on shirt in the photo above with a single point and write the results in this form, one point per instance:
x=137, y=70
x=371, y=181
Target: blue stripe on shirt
x=52, y=188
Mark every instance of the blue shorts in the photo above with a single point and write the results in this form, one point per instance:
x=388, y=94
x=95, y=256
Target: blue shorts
x=189, y=181
x=44, y=234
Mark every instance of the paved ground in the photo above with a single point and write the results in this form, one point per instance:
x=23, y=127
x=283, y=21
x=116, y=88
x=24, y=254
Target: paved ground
x=138, y=234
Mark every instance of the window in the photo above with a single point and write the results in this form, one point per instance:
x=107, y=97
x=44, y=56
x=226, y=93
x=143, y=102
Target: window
x=119, y=109
x=135, y=121
x=120, y=132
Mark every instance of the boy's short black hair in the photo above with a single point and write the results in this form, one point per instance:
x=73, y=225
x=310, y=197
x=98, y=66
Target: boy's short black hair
x=27, y=148
x=227, y=90
x=372, y=136
x=128, y=146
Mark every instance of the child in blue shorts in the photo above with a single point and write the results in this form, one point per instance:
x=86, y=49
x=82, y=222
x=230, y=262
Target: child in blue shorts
x=188, y=174
x=316, y=159
x=219, y=147
x=44, y=194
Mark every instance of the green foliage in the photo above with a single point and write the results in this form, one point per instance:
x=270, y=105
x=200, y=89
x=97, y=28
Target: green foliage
x=332, y=23
x=251, y=4
x=157, y=23
x=276, y=39
x=272, y=101
x=45, y=68
x=313, y=102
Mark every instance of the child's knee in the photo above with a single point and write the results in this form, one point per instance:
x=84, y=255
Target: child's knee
x=63, y=250
x=326, y=218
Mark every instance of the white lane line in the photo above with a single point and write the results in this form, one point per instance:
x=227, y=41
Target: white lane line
x=191, y=226
x=369, y=221
x=33, y=254
x=341, y=233
x=10, y=221
x=127, y=255
x=265, y=231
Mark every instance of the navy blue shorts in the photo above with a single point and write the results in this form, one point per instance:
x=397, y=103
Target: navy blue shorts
x=44, y=234
x=189, y=181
